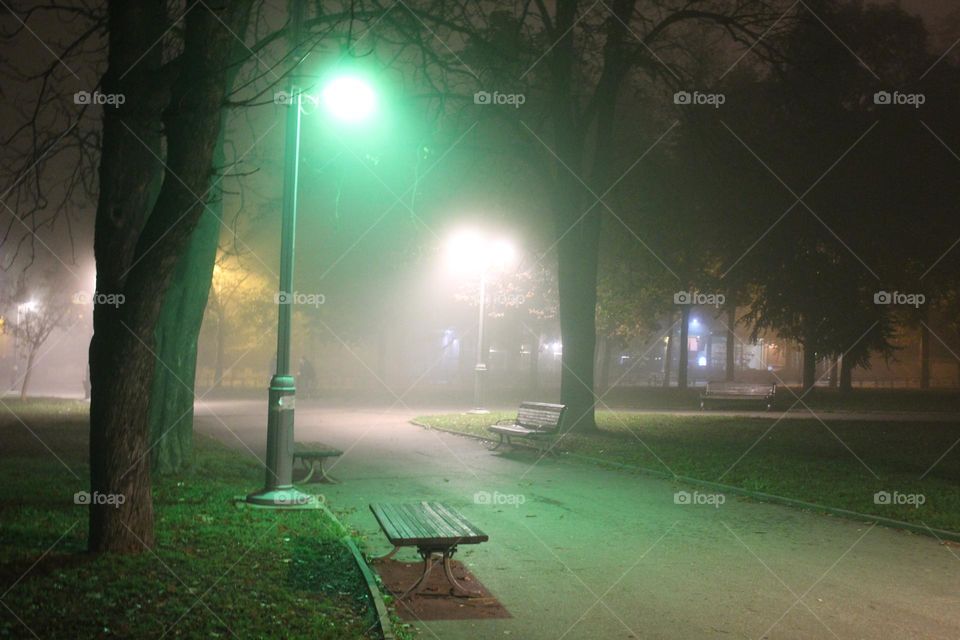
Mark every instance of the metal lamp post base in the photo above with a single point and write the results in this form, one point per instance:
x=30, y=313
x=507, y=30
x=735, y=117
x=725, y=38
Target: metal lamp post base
x=278, y=491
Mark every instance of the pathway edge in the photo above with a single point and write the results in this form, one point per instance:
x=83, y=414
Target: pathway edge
x=938, y=534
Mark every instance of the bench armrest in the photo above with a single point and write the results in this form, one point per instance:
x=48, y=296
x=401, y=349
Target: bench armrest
x=506, y=421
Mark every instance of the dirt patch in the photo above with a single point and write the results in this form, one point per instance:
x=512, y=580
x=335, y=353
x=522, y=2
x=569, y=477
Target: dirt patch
x=434, y=600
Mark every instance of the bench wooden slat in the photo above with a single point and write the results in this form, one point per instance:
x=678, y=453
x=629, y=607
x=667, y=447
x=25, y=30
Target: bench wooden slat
x=513, y=429
x=458, y=520
x=393, y=525
x=425, y=523
x=539, y=416
x=415, y=524
x=442, y=526
x=454, y=521
x=315, y=449
x=402, y=522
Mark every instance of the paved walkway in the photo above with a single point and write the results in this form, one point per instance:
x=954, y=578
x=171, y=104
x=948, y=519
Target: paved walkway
x=578, y=551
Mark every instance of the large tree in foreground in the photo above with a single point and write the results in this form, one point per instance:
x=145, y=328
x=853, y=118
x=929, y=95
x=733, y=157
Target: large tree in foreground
x=155, y=166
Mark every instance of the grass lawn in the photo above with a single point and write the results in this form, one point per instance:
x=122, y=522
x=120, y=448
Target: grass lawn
x=820, y=399
x=798, y=459
x=216, y=571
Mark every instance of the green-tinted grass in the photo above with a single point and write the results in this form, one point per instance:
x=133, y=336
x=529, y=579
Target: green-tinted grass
x=42, y=407
x=820, y=399
x=838, y=464
x=215, y=571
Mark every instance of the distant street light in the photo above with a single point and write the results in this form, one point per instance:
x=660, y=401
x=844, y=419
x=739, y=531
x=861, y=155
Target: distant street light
x=349, y=99
x=472, y=253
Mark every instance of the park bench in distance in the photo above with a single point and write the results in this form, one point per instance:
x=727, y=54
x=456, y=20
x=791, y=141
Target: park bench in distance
x=538, y=421
x=431, y=527
x=312, y=456
x=722, y=392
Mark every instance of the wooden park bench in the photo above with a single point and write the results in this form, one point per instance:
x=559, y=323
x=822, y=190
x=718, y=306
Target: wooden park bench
x=538, y=421
x=431, y=527
x=312, y=455
x=738, y=392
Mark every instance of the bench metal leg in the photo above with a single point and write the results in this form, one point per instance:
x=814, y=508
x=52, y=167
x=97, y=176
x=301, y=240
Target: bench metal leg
x=499, y=443
x=323, y=474
x=387, y=556
x=427, y=568
x=314, y=465
x=310, y=467
x=457, y=587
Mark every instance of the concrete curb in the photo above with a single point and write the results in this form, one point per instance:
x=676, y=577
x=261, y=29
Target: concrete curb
x=939, y=534
x=373, y=587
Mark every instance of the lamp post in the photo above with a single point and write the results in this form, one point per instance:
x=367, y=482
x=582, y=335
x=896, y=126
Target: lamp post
x=350, y=99
x=476, y=254
x=480, y=369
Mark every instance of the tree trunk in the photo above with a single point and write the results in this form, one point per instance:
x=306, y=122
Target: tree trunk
x=31, y=356
x=576, y=209
x=130, y=178
x=834, y=372
x=730, y=369
x=924, y=356
x=172, y=394
x=683, y=360
x=578, y=303
x=139, y=239
x=846, y=374
x=809, y=365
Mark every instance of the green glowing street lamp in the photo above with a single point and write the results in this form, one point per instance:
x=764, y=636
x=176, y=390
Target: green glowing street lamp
x=349, y=99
